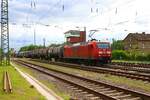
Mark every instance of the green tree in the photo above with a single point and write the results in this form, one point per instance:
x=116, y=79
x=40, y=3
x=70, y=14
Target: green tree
x=0, y=51
x=117, y=45
x=54, y=45
x=30, y=47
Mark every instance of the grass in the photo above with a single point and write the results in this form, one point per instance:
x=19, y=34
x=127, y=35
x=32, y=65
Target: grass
x=46, y=82
x=145, y=62
x=54, y=88
x=112, y=78
x=21, y=88
x=131, y=83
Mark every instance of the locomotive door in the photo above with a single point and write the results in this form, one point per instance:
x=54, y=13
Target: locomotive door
x=90, y=51
x=75, y=52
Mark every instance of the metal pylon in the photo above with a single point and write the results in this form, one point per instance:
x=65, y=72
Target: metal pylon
x=4, y=56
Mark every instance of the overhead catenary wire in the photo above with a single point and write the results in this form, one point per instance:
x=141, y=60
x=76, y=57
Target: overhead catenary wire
x=109, y=9
x=116, y=9
x=43, y=16
x=33, y=4
x=51, y=8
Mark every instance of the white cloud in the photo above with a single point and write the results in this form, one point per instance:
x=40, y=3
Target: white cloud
x=116, y=15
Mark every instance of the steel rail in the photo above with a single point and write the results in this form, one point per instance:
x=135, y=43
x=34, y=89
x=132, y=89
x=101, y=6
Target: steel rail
x=103, y=95
x=107, y=70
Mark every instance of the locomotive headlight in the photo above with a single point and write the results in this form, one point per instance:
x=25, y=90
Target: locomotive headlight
x=100, y=52
x=108, y=52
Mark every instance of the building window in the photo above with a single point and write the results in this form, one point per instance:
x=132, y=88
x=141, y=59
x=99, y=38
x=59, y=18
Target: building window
x=143, y=45
x=68, y=39
x=130, y=45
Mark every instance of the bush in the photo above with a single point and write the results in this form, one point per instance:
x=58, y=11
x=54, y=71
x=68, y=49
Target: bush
x=134, y=56
x=141, y=57
x=131, y=56
x=119, y=55
x=148, y=57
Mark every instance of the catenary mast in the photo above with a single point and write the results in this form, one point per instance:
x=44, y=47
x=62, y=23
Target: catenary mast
x=4, y=56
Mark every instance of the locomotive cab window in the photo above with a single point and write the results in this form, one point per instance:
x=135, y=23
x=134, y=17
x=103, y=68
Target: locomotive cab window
x=103, y=45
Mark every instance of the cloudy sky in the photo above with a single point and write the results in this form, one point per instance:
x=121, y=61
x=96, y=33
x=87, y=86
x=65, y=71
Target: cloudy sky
x=49, y=19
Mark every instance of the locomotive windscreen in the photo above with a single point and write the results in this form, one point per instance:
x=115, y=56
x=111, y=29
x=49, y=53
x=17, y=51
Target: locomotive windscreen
x=103, y=45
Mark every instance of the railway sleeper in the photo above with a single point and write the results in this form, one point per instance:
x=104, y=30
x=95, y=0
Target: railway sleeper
x=125, y=96
x=83, y=95
x=78, y=91
x=89, y=95
x=74, y=88
x=133, y=98
x=100, y=87
x=97, y=86
x=78, y=94
x=115, y=94
x=111, y=91
x=70, y=86
x=95, y=98
x=121, y=96
x=92, y=86
x=84, y=92
x=105, y=89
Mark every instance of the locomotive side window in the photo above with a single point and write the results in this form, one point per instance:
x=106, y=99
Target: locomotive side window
x=103, y=45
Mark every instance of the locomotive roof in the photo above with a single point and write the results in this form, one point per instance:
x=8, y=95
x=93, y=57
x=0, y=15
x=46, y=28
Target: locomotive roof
x=72, y=31
x=86, y=43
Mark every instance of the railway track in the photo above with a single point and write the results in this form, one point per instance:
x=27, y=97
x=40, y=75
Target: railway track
x=7, y=84
x=129, y=68
x=137, y=65
x=107, y=70
x=90, y=89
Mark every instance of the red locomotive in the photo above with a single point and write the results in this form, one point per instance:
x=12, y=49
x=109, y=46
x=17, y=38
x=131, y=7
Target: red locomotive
x=92, y=52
